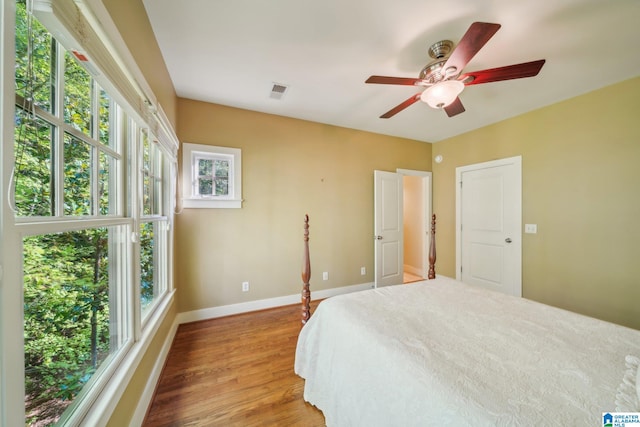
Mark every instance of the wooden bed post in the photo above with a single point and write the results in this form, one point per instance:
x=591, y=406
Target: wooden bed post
x=432, y=249
x=306, y=274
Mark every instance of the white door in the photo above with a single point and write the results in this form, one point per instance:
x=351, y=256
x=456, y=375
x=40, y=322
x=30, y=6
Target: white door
x=388, y=232
x=489, y=244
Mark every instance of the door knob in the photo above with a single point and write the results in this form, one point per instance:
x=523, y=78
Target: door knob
x=508, y=240
x=378, y=237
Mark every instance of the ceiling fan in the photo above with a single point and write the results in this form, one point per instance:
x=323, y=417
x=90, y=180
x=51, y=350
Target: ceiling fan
x=442, y=78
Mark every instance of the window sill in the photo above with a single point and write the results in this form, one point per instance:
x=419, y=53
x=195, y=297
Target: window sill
x=204, y=203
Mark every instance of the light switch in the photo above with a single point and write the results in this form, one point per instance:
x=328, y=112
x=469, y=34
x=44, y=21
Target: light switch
x=531, y=228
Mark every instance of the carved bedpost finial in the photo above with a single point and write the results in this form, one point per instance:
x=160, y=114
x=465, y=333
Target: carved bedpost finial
x=432, y=249
x=306, y=274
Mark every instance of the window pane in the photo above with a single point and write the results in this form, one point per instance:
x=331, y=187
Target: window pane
x=151, y=178
x=105, y=175
x=222, y=186
x=77, y=95
x=77, y=177
x=205, y=187
x=158, y=160
x=222, y=177
x=147, y=264
x=222, y=168
x=157, y=199
x=70, y=318
x=33, y=154
x=146, y=194
x=205, y=167
x=146, y=155
x=146, y=172
x=104, y=115
x=34, y=76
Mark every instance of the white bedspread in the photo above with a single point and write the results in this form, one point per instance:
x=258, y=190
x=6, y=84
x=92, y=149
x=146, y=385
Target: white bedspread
x=442, y=353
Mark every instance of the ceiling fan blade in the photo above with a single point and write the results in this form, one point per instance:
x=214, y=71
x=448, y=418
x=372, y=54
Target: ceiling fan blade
x=395, y=110
x=454, y=108
x=516, y=71
x=408, y=81
x=473, y=40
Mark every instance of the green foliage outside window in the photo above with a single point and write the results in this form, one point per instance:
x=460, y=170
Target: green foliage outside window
x=35, y=52
x=213, y=177
x=77, y=177
x=66, y=305
x=147, y=280
x=33, y=193
x=77, y=95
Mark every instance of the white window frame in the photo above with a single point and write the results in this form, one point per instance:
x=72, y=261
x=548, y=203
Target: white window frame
x=190, y=154
x=98, y=404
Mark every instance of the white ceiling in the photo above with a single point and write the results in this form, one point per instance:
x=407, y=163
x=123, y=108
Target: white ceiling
x=231, y=52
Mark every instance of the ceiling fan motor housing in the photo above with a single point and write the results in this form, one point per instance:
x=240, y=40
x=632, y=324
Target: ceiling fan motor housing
x=439, y=51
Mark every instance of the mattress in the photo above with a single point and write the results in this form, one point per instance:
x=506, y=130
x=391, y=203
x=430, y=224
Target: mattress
x=440, y=352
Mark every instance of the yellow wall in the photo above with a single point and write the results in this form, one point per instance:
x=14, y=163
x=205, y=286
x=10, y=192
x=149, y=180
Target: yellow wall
x=290, y=168
x=581, y=181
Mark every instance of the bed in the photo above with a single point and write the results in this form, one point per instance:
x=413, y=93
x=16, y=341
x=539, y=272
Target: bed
x=439, y=352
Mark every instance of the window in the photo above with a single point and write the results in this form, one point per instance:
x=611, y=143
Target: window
x=72, y=273
x=154, y=226
x=212, y=176
x=92, y=205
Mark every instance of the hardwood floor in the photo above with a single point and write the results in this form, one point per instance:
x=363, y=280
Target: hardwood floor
x=410, y=278
x=234, y=371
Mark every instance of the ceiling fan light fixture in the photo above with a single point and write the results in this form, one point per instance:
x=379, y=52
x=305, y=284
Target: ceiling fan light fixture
x=442, y=94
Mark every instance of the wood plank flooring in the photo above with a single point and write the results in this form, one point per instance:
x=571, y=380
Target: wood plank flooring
x=410, y=278
x=234, y=371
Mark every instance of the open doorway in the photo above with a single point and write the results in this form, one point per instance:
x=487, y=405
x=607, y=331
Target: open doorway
x=391, y=212
x=416, y=187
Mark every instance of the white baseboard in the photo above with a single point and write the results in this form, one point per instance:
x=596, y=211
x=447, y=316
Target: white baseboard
x=245, y=307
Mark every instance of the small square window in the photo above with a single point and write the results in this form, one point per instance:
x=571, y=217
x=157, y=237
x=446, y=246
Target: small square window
x=211, y=176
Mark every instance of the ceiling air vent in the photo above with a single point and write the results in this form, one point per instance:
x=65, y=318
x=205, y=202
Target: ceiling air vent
x=278, y=90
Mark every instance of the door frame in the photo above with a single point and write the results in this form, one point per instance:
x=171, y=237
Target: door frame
x=427, y=210
x=517, y=161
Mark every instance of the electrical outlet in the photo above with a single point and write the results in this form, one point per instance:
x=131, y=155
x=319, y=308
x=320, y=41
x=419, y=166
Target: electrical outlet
x=363, y=271
x=245, y=286
x=325, y=275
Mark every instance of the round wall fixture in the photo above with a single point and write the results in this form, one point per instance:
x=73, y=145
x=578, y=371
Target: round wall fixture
x=438, y=158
